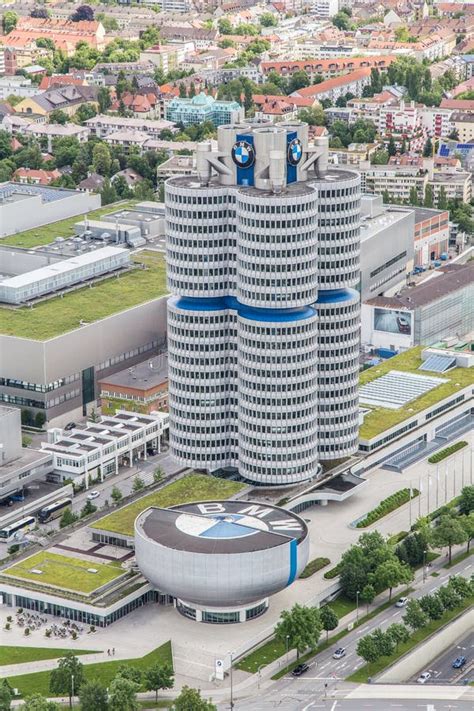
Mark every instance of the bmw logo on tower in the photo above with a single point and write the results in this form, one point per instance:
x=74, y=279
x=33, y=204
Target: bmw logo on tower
x=295, y=151
x=243, y=154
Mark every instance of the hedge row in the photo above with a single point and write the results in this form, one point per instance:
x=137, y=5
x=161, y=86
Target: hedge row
x=387, y=505
x=313, y=567
x=439, y=456
x=333, y=573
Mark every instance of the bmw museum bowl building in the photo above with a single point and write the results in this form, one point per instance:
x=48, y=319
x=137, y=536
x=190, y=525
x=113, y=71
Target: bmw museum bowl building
x=221, y=560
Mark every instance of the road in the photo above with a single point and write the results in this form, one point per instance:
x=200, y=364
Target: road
x=327, y=675
x=294, y=703
x=441, y=668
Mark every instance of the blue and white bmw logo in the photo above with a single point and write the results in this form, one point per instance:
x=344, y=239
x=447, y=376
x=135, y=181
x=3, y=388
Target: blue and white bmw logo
x=243, y=154
x=295, y=151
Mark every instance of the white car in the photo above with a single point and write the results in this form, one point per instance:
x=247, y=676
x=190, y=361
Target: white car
x=93, y=495
x=339, y=653
x=401, y=602
x=423, y=678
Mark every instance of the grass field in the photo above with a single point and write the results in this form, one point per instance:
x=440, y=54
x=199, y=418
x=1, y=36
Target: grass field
x=64, y=571
x=380, y=419
x=370, y=670
x=38, y=682
x=20, y=655
x=58, y=315
x=195, y=487
x=63, y=228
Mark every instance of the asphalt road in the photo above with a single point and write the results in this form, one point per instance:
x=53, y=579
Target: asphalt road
x=441, y=668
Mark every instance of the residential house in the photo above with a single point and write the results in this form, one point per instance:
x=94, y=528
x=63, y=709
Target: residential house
x=103, y=125
x=463, y=124
x=35, y=177
x=65, y=98
x=93, y=183
x=326, y=67
x=332, y=89
x=64, y=33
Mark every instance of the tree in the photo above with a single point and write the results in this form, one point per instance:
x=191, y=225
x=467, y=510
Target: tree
x=368, y=649
x=40, y=419
x=428, y=148
x=413, y=198
x=429, y=196
x=84, y=113
x=268, y=20
x=68, y=676
x=116, y=494
x=313, y=116
x=103, y=99
x=298, y=80
x=448, y=533
x=101, y=159
x=83, y=12
x=432, y=606
x=131, y=673
x=93, y=696
x=158, y=475
x=9, y=21
x=448, y=597
x=108, y=193
x=414, y=616
x=191, y=700
x=182, y=90
x=58, y=116
x=37, y=702
x=6, y=696
x=467, y=522
x=138, y=484
x=442, y=202
x=461, y=586
x=225, y=26
x=123, y=695
x=301, y=625
x=367, y=595
x=88, y=509
x=40, y=13
x=341, y=21
x=68, y=518
x=159, y=676
x=398, y=633
x=466, y=500
x=391, y=148
x=329, y=619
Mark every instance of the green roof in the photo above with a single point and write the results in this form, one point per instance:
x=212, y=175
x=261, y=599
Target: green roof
x=196, y=487
x=380, y=419
x=58, y=315
x=65, y=572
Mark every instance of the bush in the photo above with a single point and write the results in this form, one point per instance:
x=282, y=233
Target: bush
x=27, y=631
x=333, y=573
x=14, y=549
x=47, y=633
x=313, y=567
x=8, y=626
x=68, y=518
x=387, y=506
x=439, y=456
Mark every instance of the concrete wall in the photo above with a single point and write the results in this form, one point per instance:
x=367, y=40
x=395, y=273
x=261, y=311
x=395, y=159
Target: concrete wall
x=10, y=434
x=18, y=261
x=422, y=656
x=33, y=212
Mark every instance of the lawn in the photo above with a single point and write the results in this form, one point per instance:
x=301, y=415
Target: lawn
x=452, y=449
x=380, y=419
x=196, y=487
x=363, y=674
x=19, y=655
x=58, y=315
x=104, y=672
x=459, y=557
x=313, y=567
x=64, y=571
x=342, y=605
x=63, y=228
x=266, y=654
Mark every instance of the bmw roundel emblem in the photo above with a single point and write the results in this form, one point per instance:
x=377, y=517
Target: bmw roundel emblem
x=243, y=154
x=295, y=151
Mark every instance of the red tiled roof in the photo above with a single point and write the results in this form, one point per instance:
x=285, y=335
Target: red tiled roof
x=458, y=104
x=340, y=64
x=59, y=80
x=333, y=83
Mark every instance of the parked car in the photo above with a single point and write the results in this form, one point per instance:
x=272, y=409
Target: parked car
x=339, y=653
x=459, y=662
x=151, y=451
x=401, y=602
x=70, y=426
x=423, y=678
x=300, y=669
x=93, y=495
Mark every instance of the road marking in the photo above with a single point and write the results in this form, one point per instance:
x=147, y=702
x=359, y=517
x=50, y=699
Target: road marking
x=334, y=706
x=396, y=613
x=363, y=629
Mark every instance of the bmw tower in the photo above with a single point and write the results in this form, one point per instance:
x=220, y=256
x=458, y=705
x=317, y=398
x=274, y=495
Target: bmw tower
x=263, y=323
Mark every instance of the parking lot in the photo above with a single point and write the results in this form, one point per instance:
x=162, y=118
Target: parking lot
x=441, y=668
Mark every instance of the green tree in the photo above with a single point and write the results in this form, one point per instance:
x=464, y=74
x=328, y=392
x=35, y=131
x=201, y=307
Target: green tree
x=103, y=99
x=68, y=518
x=467, y=522
x=9, y=21
x=65, y=150
x=159, y=676
x=68, y=676
x=93, y=696
x=414, y=616
x=442, y=202
x=84, y=113
x=429, y=197
x=391, y=148
x=428, y=148
x=367, y=595
x=413, y=198
x=301, y=625
x=398, y=633
x=131, y=673
x=158, y=475
x=379, y=157
x=191, y=700
x=342, y=21
x=116, y=494
x=461, y=586
x=368, y=649
x=329, y=619
x=448, y=533
x=466, y=500
x=298, y=80
x=101, y=159
x=432, y=606
x=138, y=484
x=448, y=597
x=5, y=144
x=313, y=116
x=58, y=116
x=225, y=26
x=6, y=696
x=268, y=20
x=88, y=509
x=123, y=695
x=37, y=702
x=182, y=90
x=108, y=193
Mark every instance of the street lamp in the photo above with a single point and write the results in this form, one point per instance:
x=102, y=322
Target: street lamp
x=424, y=565
x=287, y=645
x=259, y=672
x=231, y=685
x=357, y=606
x=72, y=690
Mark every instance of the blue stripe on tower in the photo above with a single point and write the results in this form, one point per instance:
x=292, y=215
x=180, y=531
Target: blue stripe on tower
x=291, y=170
x=293, y=560
x=245, y=176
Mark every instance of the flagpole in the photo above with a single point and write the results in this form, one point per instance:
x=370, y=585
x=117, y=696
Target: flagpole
x=419, y=497
x=410, y=504
x=437, y=485
x=428, y=494
x=446, y=484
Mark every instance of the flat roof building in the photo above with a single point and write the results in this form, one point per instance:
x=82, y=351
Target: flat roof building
x=203, y=107
x=141, y=388
x=431, y=234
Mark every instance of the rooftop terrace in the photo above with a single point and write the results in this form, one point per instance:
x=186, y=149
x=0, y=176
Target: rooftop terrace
x=380, y=419
x=59, y=315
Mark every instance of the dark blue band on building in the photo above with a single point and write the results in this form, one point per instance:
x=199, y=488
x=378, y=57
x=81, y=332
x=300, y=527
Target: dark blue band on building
x=249, y=312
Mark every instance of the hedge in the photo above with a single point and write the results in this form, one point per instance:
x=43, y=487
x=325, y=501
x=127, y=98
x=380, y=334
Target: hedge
x=387, y=505
x=439, y=456
x=313, y=567
x=333, y=573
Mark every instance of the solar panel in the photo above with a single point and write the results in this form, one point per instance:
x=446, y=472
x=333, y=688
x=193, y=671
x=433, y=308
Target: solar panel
x=438, y=363
x=396, y=388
